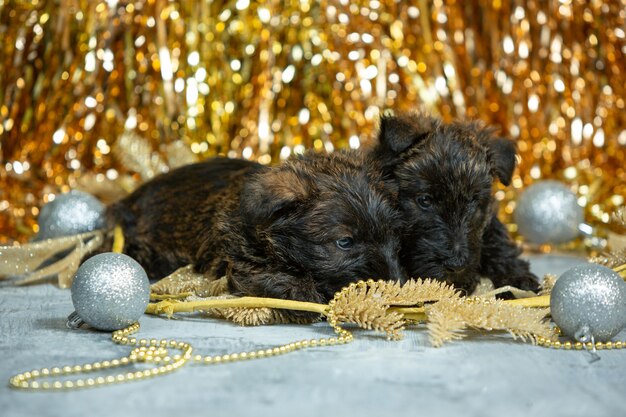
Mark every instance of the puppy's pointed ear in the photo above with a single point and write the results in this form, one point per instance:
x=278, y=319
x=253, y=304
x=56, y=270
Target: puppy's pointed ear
x=398, y=133
x=271, y=192
x=502, y=153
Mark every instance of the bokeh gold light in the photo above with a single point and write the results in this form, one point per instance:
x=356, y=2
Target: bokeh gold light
x=266, y=80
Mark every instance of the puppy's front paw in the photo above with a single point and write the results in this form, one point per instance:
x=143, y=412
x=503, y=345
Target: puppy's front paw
x=526, y=281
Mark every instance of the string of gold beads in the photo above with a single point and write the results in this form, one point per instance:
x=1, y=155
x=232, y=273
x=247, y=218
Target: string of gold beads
x=567, y=345
x=146, y=352
x=343, y=337
x=554, y=343
x=275, y=351
x=157, y=352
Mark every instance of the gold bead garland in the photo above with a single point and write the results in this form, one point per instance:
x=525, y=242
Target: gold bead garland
x=568, y=345
x=157, y=352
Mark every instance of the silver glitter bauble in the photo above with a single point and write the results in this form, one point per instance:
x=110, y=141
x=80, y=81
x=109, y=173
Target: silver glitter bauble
x=548, y=212
x=589, y=301
x=110, y=291
x=69, y=214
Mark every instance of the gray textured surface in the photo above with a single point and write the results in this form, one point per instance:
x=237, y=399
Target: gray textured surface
x=486, y=375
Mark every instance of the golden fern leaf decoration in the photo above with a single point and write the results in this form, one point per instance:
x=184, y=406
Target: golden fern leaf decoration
x=365, y=304
x=443, y=326
x=619, y=216
x=448, y=317
x=416, y=292
x=136, y=153
x=547, y=284
x=611, y=259
x=187, y=280
x=179, y=154
x=260, y=316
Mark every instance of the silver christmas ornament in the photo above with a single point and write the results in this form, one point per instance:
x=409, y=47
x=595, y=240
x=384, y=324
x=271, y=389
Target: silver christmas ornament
x=110, y=291
x=588, y=302
x=71, y=213
x=548, y=212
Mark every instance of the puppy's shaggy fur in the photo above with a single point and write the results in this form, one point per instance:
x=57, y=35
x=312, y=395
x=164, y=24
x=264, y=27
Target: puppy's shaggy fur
x=301, y=230
x=445, y=174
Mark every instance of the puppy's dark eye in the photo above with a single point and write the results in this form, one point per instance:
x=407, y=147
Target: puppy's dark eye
x=345, y=243
x=424, y=201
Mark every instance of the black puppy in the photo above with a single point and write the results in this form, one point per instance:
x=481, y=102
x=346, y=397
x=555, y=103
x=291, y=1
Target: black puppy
x=301, y=230
x=445, y=174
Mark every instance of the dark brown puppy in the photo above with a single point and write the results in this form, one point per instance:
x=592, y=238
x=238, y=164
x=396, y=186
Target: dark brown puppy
x=301, y=230
x=445, y=174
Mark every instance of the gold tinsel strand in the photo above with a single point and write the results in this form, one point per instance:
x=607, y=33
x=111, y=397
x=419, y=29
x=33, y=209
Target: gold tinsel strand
x=269, y=79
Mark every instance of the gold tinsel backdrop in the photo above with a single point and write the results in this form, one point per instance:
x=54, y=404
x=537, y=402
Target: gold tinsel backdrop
x=266, y=80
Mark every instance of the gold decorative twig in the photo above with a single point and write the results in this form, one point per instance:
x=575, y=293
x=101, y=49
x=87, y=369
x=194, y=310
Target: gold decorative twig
x=386, y=307
x=171, y=306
